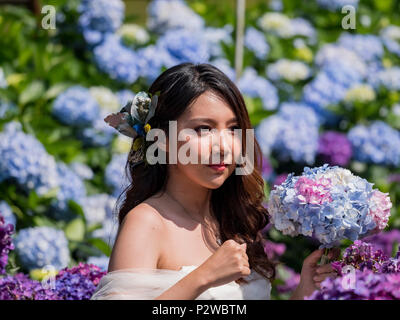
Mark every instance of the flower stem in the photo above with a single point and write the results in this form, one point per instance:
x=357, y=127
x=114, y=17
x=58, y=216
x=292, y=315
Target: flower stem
x=324, y=258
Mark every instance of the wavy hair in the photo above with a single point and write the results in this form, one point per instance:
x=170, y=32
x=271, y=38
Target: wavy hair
x=238, y=204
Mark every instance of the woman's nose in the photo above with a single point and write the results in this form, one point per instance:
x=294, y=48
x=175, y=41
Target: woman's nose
x=221, y=143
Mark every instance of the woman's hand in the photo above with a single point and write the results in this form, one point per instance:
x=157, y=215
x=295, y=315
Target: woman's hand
x=313, y=274
x=227, y=264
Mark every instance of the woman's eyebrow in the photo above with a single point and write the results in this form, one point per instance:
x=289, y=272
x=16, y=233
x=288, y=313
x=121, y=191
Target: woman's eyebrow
x=212, y=121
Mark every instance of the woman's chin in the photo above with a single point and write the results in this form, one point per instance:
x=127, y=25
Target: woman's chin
x=214, y=181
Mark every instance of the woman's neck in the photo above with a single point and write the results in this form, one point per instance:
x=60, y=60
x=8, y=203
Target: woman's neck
x=193, y=197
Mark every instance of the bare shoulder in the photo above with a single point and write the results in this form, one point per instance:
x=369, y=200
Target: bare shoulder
x=138, y=241
x=145, y=215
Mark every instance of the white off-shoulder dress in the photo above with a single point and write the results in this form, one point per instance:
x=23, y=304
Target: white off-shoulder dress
x=147, y=284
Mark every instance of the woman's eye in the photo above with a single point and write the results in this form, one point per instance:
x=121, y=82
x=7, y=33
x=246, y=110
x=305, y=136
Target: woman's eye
x=197, y=129
x=234, y=127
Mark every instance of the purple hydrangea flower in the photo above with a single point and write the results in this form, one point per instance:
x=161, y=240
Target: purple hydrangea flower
x=367, y=285
x=266, y=169
x=334, y=148
x=372, y=276
x=290, y=277
x=21, y=287
x=6, y=243
x=79, y=282
x=384, y=241
x=279, y=179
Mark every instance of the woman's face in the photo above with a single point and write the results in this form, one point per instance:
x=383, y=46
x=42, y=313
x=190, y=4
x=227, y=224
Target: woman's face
x=210, y=113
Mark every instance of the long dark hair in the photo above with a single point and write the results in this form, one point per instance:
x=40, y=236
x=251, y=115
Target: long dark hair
x=237, y=204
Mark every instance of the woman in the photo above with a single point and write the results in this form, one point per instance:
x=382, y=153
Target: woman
x=192, y=231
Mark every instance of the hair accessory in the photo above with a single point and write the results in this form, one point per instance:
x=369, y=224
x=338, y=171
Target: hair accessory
x=132, y=121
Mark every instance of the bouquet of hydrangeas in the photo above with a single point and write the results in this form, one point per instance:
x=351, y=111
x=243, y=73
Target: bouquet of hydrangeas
x=328, y=204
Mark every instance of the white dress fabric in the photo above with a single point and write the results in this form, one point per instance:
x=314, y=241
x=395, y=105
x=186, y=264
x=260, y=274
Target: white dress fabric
x=147, y=284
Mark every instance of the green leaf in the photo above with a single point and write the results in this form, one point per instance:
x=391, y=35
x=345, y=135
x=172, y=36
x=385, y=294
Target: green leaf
x=94, y=227
x=32, y=92
x=75, y=230
x=101, y=245
x=75, y=207
x=55, y=90
x=43, y=222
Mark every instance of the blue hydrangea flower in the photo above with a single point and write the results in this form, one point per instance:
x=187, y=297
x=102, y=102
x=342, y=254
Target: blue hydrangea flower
x=184, y=46
x=82, y=170
x=391, y=38
x=169, y=15
x=108, y=231
x=97, y=208
x=292, y=133
x=377, y=143
x=124, y=96
x=251, y=84
x=334, y=5
x=215, y=36
x=99, y=17
x=150, y=61
x=99, y=133
x=340, y=69
x=115, y=174
x=25, y=160
x=6, y=212
x=116, y=60
x=388, y=78
x=71, y=187
x=276, y=5
x=255, y=41
x=102, y=262
x=302, y=27
x=224, y=65
x=368, y=47
x=38, y=247
x=76, y=107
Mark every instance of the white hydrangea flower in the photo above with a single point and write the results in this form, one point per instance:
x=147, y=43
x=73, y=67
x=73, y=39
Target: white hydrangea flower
x=276, y=22
x=360, y=92
x=289, y=70
x=134, y=33
x=106, y=99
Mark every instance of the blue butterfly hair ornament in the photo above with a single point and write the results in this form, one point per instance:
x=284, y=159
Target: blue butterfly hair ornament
x=132, y=121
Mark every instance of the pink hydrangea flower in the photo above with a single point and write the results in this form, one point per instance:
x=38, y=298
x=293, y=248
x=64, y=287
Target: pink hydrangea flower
x=380, y=208
x=314, y=192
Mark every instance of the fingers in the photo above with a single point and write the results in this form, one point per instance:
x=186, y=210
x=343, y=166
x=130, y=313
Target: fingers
x=314, y=257
x=245, y=270
x=243, y=247
x=326, y=268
